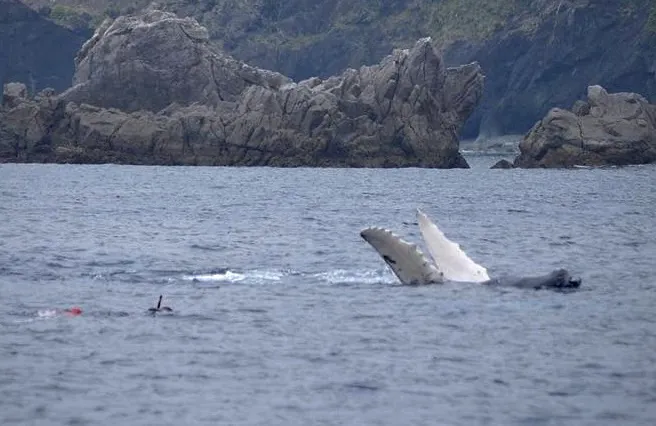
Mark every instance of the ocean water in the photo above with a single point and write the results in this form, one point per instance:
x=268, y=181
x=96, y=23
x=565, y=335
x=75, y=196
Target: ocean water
x=284, y=316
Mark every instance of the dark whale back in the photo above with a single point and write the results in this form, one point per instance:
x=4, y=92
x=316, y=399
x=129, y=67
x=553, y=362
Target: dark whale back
x=560, y=278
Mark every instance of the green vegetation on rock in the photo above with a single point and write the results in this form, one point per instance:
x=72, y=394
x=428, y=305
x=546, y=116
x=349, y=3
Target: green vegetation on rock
x=469, y=19
x=84, y=15
x=71, y=17
x=650, y=26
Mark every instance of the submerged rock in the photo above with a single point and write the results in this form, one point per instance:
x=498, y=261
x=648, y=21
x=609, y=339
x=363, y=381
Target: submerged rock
x=608, y=129
x=503, y=164
x=152, y=89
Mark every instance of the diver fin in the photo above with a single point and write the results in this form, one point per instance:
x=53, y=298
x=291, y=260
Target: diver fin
x=449, y=258
x=405, y=259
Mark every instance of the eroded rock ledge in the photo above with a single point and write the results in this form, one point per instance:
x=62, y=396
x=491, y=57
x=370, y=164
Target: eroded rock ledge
x=608, y=129
x=152, y=89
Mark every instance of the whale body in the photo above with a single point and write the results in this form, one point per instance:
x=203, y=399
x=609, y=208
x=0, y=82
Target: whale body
x=560, y=278
x=450, y=262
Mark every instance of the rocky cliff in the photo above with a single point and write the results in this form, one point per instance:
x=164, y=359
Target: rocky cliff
x=547, y=55
x=606, y=129
x=163, y=94
x=34, y=50
x=536, y=54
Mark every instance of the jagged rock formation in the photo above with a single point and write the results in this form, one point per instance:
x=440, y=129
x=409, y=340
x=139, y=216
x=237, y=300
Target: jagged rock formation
x=536, y=54
x=152, y=60
x=608, y=129
x=161, y=94
x=34, y=50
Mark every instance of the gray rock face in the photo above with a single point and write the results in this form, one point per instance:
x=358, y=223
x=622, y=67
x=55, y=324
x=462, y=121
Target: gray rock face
x=13, y=94
x=540, y=54
x=152, y=60
x=161, y=94
x=608, y=129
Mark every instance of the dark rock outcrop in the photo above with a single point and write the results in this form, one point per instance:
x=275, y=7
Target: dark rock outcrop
x=161, y=94
x=503, y=164
x=609, y=129
x=34, y=50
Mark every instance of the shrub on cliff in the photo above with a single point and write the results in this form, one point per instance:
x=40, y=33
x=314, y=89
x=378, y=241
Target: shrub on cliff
x=75, y=19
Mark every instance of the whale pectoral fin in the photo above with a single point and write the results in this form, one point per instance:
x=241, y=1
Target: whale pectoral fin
x=448, y=256
x=405, y=259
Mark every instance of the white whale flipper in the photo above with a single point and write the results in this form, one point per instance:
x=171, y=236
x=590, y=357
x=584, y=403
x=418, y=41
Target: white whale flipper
x=449, y=258
x=405, y=259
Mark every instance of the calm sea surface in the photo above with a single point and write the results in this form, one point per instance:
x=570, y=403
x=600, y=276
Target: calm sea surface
x=284, y=316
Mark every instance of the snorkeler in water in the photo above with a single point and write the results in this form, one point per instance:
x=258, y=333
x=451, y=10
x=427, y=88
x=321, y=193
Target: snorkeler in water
x=159, y=307
x=69, y=312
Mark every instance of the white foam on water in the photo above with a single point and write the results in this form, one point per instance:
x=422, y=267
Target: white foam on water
x=268, y=275
x=337, y=276
x=233, y=277
x=225, y=276
x=342, y=276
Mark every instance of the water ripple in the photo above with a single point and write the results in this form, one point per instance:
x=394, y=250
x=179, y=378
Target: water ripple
x=283, y=315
